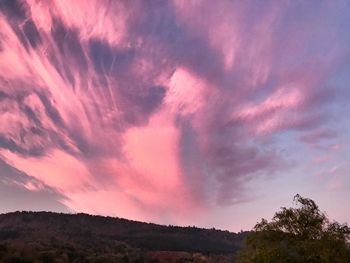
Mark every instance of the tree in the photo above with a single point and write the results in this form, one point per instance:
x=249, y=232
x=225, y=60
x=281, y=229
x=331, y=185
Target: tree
x=301, y=234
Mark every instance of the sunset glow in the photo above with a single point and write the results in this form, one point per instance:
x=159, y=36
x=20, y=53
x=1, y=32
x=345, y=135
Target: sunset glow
x=208, y=113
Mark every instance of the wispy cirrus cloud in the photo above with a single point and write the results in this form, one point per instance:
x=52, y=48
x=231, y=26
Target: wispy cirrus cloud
x=19, y=191
x=162, y=110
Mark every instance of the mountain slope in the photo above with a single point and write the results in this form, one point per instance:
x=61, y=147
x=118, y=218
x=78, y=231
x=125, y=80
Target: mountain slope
x=52, y=237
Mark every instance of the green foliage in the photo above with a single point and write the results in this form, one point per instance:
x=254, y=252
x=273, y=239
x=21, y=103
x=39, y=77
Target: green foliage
x=301, y=234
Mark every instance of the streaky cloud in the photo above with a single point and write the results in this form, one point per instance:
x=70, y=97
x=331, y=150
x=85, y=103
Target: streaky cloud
x=164, y=110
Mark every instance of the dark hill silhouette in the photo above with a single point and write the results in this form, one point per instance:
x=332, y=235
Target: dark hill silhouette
x=53, y=237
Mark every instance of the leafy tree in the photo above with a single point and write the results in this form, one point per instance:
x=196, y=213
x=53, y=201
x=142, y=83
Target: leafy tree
x=301, y=234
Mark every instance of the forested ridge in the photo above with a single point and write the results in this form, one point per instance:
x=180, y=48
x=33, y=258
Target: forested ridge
x=53, y=237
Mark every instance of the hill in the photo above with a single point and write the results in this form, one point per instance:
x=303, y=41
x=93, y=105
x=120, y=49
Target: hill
x=53, y=237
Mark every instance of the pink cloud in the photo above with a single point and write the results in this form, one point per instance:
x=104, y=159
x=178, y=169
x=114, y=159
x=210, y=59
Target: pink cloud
x=319, y=135
x=321, y=160
x=57, y=169
x=270, y=114
x=150, y=111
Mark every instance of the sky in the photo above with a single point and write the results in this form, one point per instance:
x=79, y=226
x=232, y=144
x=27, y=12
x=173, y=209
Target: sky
x=186, y=112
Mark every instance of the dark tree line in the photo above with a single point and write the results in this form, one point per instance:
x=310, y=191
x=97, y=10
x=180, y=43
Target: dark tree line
x=301, y=234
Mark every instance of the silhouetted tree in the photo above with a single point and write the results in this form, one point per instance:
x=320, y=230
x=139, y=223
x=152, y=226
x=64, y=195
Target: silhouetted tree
x=301, y=234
